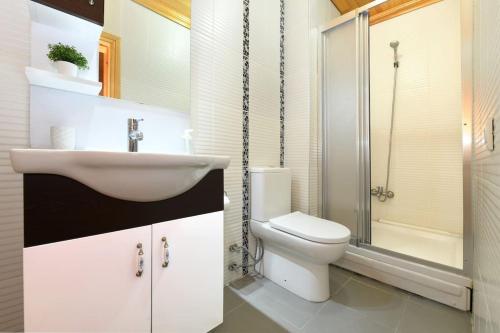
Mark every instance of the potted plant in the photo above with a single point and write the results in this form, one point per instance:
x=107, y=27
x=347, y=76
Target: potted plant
x=67, y=59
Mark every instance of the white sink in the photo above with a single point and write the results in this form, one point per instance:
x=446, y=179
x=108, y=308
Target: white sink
x=129, y=176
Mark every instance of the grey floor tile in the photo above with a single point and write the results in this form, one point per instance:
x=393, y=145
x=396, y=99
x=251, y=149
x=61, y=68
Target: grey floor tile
x=380, y=285
x=231, y=300
x=423, y=315
x=286, y=308
x=335, y=317
x=248, y=285
x=361, y=305
x=376, y=304
x=338, y=277
x=247, y=319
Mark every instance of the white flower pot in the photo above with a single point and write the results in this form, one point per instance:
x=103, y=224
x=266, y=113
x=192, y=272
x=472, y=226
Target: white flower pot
x=67, y=68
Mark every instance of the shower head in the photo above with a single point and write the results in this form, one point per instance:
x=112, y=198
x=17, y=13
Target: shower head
x=394, y=44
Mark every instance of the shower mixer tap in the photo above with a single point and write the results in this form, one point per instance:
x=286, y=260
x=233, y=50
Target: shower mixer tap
x=381, y=194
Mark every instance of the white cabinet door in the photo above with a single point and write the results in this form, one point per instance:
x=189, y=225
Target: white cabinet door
x=89, y=284
x=188, y=292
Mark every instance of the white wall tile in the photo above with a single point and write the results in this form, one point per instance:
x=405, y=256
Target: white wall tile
x=297, y=139
x=217, y=94
x=264, y=114
x=228, y=24
x=101, y=123
x=216, y=102
x=302, y=17
x=265, y=34
x=426, y=163
x=486, y=166
x=14, y=133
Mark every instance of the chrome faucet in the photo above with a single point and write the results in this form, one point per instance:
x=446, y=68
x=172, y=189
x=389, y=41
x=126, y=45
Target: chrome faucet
x=134, y=135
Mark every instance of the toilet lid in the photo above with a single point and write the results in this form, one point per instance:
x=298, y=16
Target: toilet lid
x=311, y=228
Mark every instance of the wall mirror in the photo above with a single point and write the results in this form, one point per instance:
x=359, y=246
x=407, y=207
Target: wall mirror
x=144, y=52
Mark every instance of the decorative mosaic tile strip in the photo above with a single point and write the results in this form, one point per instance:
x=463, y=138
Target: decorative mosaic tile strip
x=282, y=83
x=246, y=102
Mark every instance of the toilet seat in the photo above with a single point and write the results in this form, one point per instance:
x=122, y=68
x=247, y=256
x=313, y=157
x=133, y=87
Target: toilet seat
x=311, y=228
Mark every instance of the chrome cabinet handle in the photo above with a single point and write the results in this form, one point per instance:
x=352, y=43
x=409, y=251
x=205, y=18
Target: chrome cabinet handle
x=140, y=260
x=91, y=2
x=166, y=254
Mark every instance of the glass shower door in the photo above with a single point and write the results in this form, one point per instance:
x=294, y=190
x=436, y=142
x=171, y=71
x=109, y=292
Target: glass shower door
x=339, y=122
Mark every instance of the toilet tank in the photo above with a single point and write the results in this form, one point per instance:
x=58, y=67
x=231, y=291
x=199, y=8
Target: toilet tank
x=270, y=192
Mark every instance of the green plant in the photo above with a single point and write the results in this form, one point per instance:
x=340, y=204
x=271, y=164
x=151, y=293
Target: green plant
x=61, y=52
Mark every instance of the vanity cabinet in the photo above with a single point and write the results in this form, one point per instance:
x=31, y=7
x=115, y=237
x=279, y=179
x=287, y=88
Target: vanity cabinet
x=97, y=263
x=90, y=10
x=89, y=284
x=165, y=277
x=188, y=289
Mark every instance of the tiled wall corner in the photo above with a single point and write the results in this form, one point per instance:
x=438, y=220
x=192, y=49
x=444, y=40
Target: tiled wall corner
x=320, y=12
x=216, y=101
x=217, y=95
x=264, y=77
x=486, y=166
x=14, y=132
x=302, y=18
x=297, y=96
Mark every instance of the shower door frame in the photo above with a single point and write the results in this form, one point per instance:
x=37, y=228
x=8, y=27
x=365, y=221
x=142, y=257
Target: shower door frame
x=323, y=142
x=363, y=204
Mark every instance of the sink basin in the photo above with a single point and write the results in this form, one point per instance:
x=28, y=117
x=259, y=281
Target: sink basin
x=128, y=176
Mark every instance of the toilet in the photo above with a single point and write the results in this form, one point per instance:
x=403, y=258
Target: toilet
x=297, y=247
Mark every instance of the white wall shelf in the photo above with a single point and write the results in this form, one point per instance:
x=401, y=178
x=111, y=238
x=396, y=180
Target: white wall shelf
x=43, y=78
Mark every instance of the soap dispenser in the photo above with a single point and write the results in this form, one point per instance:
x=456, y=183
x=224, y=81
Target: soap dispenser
x=187, y=136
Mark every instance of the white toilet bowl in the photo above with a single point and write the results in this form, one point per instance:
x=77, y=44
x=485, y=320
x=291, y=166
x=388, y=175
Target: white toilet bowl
x=299, y=264
x=297, y=247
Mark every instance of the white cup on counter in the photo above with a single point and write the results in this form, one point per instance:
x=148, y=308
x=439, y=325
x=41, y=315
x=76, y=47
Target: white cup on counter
x=63, y=137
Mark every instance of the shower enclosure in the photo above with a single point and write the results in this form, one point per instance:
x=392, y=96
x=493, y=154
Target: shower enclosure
x=395, y=125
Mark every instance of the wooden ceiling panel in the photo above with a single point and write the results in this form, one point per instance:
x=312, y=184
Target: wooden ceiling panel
x=345, y=6
x=394, y=8
x=384, y=11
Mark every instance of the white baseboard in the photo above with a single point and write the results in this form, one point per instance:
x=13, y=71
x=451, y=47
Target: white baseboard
x=441, y=286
